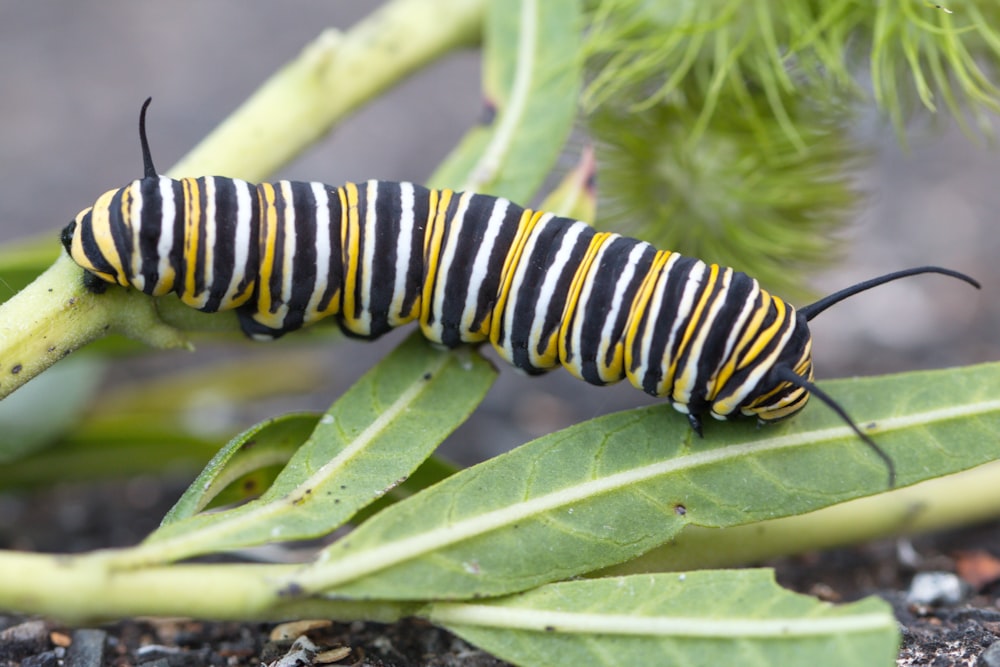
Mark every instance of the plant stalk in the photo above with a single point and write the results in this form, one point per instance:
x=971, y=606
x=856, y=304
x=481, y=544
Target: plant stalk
x=56, y=314
x=334, y=75
x=86, y=588
x=936, y=504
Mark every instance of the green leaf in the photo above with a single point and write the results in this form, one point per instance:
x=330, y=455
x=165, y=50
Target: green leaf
x=270, y=443
x=369, y=441
x=430, y=472
x=532, y=75
x=575, y=197
x=610, y=489
x=713, y=618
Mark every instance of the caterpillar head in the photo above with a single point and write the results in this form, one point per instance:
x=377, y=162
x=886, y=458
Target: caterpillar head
x=792, y=382
x=93, y=238
x=777, y=397
x=750, y=382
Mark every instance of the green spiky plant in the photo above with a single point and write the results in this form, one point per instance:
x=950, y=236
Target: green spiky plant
x=712, y=112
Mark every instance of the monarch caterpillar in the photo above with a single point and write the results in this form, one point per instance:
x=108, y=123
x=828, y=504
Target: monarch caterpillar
x=543, y=289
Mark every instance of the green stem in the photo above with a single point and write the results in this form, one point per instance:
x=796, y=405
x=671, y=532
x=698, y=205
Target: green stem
x=56, y=315
x=932, y=505
x=90, y=587
x=335, y=74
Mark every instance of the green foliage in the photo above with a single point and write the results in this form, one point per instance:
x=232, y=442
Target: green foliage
x=714, y=50
x=697, y=618
x=599, y=492
x=743, y=194
x=531, y=80
x=614, y=487
x=365, y=445
x=722, y=123
x=925, y=51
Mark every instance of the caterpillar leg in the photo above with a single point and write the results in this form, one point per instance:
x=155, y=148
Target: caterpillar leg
x=695, y=422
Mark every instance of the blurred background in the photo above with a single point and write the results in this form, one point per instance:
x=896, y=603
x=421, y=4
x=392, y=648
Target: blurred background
x=72, y=77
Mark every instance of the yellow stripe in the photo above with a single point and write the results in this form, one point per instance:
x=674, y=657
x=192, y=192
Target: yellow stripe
x=333, y=307
x=529, y=219
x=639, y=305
x=100, y=220
x=437, y=210
x=749, y=335
x=693, y=327
x=192, y=239
x=764, y=338
x=350, y=243
x=268, y=249
x=573, y=303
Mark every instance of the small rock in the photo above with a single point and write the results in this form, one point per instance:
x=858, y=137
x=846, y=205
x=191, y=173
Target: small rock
x=44, y=659
x=87, y=649
x=291, y=630
x=990, y=657
x=24, y=639
x=159, y=662
x=932, y=588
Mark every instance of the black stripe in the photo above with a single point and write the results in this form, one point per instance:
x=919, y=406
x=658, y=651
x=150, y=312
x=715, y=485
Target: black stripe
x=304, y=269
x=490, y=289
x=223, y=251
x=201, y=268
x=150, y=223
x=740, y=288
x=388, y=210
x=335, y=267
x=557, y=305
x=598, y=306
x=415, y=270
x=121, y=233
x=537, y=264
x=90, y=248
x=277, y=270
x=663, y=313
x=456, y=282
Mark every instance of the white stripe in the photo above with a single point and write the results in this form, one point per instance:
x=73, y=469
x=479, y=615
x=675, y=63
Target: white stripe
x=445, y=260
x=685, y=383
x=286, y=218
x=736, y=329
x=167, y=276
x=323, y=250
x=208, y=241
x=481, y=268
x=548, y=290
x=368, y=236
x=241, y=242
x=654, y=306
x=617, y=303
x=135, y=227
x=762, y=367
x=404, y=246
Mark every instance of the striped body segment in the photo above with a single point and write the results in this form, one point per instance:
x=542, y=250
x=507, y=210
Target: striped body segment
x=544, y=290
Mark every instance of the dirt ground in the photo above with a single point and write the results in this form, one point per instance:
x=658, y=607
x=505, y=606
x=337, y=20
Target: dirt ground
x=954, y=630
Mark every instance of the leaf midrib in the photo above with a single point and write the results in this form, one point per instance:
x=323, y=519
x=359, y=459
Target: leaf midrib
x=329, y=572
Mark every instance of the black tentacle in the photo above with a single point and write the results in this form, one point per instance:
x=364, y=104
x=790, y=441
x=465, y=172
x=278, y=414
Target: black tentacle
x=786, y=374
x=814, y=309
x=147, y=159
